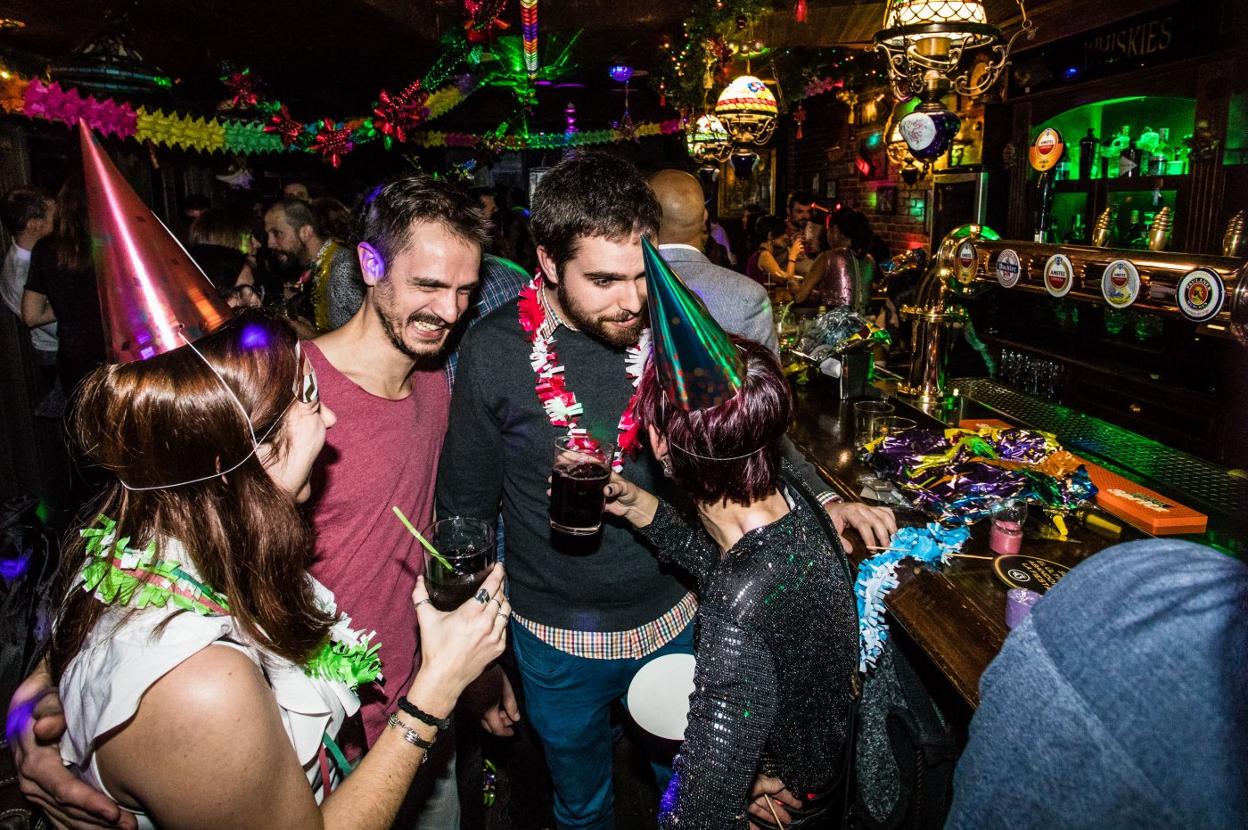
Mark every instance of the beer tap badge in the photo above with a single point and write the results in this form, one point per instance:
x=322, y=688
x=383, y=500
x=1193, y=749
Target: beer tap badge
x=1009, y=268
x=1200, y=295
x=965, y=261
x=1120, y=284
x=1059, y=275
x=1047, y=150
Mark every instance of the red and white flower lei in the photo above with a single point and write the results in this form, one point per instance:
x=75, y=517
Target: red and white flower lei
x=560, y=403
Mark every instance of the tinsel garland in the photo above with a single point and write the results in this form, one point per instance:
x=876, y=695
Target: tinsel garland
x=877, y=576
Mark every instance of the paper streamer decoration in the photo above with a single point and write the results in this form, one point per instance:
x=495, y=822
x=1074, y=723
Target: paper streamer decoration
x=153, y=298
x=246, y=138
x=38, y=99
x=877, y=576
x=68, y=106
x=180, y=131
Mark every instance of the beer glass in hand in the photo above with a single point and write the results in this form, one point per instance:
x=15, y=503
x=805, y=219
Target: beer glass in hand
x=582, y=467
x=468, y=547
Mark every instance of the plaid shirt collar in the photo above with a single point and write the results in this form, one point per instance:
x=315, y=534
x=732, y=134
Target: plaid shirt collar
x=553, y=320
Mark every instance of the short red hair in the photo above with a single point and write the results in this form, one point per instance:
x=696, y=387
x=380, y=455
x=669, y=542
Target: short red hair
x=750, y=424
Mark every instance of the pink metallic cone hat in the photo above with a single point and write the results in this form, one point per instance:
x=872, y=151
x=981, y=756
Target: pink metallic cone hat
x=153, y=297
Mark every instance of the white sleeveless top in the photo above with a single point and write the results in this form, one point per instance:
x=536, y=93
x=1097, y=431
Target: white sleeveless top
x=103, y=684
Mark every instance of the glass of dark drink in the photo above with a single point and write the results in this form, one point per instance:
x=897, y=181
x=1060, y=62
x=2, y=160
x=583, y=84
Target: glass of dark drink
x=467, y=545
x=582, y=467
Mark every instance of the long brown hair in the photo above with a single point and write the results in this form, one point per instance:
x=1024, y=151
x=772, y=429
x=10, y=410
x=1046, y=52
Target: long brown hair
x=71, y=233
x=170, y=419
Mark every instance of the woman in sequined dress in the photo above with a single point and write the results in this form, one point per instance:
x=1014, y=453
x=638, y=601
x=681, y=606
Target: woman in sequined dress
x=777, y=638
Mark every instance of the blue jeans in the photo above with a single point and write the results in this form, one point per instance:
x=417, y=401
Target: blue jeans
x=568, y=702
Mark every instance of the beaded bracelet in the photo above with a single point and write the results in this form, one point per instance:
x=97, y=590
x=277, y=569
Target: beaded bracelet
x=410, y=735
x=424, y=717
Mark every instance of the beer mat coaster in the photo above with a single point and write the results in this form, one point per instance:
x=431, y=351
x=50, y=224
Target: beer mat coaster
x=1147, y=509
x=1030, y=572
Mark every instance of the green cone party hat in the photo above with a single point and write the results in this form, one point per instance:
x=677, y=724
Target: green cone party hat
x=697, y=364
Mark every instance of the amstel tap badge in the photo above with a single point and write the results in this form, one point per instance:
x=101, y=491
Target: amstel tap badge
x=1120, y=284
x=965, y=262
x=1047, y=150
x=1059, y=275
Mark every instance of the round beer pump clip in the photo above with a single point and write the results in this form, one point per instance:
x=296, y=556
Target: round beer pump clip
x=658, y=697
x=1059, y=275
x=1009, y=268
x=1200, y=295
x=1120, y=284
x=1047, y=150
x=1030, y=572
x=965, y=262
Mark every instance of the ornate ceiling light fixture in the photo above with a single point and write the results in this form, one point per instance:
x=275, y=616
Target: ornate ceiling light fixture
x=930, y=47
x=707, y=140
x=748, y=110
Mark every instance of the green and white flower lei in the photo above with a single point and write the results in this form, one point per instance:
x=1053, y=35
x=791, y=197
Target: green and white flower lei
x=118, y=574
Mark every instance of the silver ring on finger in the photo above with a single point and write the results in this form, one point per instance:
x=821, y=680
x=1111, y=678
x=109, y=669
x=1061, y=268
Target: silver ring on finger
x=497, y=602
x=482, y=596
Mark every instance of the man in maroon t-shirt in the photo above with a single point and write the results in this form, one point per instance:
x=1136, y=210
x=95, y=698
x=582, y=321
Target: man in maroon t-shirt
x=383, y=373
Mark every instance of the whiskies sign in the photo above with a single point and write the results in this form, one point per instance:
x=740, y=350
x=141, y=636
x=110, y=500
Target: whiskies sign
x=1158, y=36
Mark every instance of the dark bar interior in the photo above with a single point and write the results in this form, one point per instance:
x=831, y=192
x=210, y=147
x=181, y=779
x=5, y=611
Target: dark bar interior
x=909, y=337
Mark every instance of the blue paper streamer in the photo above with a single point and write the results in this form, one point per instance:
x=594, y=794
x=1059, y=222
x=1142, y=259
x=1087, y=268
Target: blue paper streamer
x=877, y=577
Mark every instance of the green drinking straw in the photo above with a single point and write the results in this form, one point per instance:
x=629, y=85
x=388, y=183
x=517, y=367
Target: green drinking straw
x=432, y=550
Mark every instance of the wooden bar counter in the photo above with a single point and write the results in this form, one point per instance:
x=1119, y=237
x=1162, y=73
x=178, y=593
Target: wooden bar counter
x=955, y=614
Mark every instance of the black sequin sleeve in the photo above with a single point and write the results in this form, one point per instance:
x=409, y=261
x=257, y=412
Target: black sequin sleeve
x=731, y=714
x=675, y=540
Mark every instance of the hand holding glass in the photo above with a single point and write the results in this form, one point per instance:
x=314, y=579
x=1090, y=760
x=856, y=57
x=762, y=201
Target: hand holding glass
x=581, y=469
x=468, y=547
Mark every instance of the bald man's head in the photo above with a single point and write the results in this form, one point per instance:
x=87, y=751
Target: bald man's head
x=684, y=212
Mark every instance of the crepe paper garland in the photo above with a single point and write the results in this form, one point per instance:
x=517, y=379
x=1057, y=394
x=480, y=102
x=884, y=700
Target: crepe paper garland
x=528, y=21
x=282, y=132
x=56, y=103
x=172, y=130
x=13, y=94
x=877, y=576
x=250, y=137
x=544, y=141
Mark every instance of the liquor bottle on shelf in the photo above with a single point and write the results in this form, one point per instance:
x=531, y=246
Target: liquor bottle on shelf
x=1111, y=155
x=1078, y=233
x=1089, y=145
x=1129, y=161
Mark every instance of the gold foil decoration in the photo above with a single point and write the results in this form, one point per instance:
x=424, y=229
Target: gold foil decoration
x=1100, y=231
x=1159, y=230
x=1233, y=237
